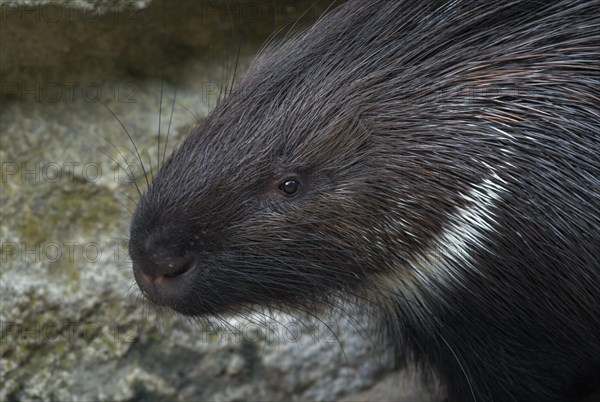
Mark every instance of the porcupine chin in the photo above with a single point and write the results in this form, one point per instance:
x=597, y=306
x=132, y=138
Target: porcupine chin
x=439, y=159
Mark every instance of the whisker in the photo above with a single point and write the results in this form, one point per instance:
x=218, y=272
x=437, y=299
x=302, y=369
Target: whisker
x=128, y=170
x=130, y=139
x=170, y=118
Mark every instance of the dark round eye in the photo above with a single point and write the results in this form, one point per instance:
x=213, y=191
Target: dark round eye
x=290, y=186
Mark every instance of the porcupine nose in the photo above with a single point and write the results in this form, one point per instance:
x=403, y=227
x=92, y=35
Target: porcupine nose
x=161, y=274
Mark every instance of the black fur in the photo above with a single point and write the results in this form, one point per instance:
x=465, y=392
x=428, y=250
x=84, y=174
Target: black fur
x=388, y=113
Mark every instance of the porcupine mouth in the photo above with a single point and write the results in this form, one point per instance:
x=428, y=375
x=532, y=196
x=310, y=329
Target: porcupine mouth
x=189, y=289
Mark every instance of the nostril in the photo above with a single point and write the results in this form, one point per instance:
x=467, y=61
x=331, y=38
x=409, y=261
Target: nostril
x=156, y=266
x=178, y=267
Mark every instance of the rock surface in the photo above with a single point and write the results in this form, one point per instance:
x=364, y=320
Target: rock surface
x=73, y=325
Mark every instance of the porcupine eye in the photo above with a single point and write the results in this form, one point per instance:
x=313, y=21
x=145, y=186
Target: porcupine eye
x=289, y=187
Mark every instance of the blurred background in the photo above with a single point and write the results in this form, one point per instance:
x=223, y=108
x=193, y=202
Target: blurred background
x=77, y=78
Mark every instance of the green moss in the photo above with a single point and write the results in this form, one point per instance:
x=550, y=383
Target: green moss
x=79, y=207
x=55, y=225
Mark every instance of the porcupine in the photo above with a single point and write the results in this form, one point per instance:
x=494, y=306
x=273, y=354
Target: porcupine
x=437, y=159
